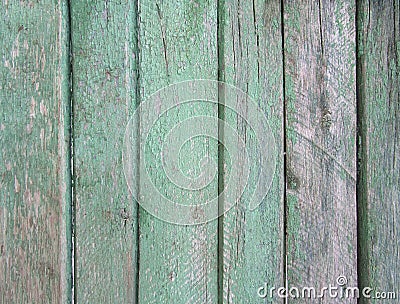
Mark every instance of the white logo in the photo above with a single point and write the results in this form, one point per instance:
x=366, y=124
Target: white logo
x=186, y=114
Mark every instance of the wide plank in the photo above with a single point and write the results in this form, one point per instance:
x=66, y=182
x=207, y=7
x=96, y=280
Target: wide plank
x=320, y=92
x=251, y=59
x=378, y=85
x=104, y=97
x=177, y=42
x=35, y=192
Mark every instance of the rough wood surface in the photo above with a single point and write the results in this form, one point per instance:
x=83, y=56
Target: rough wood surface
x=319, y=42
x=379, y=120
x=338, y=71
x=177, y=42
x=104, y=87
x=34, y=182
x=252, y=60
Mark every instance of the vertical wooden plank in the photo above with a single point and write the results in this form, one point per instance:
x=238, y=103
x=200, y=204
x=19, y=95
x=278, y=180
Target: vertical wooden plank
x=252, y=61
x=34, y=143
x=177, y=41
x=321, y=150
x=104, y=86
x=379, y=123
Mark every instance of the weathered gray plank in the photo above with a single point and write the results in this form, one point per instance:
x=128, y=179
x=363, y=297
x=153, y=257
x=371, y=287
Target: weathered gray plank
x=34, y=145
x=252, y=60
x=319, y=42
x=104, y=86
x=177, y=41
x=379, y=123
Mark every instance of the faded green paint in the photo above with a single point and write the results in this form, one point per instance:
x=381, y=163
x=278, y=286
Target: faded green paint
x=379, y=123
x=104, y=88
x=252, y=241
x=34, y=161
x=122, y=52
x=177, y=41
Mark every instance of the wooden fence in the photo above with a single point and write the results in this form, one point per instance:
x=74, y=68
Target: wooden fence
x=324, y=73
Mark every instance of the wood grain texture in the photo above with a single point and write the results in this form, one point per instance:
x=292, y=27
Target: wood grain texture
x=379, y=122
x=300, y=69
x=252, y=60
x=319, y=42
x=177, y=42
x=34, y=145
x=104, y=87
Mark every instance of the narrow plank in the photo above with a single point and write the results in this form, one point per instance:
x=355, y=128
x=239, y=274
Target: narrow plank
x=177, y=42
x=34, y=143
x=319, y=42
x=379, y=119
x=252, y=61
x=104, y=86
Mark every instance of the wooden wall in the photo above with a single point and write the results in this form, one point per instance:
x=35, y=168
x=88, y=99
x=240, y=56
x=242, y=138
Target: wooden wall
x=324, y=73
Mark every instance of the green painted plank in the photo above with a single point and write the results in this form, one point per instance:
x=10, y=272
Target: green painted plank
x=319, y=42
x=253, y=240
x=34, y=147
x=379, y=186
x=104, y=86
x=177, y=42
